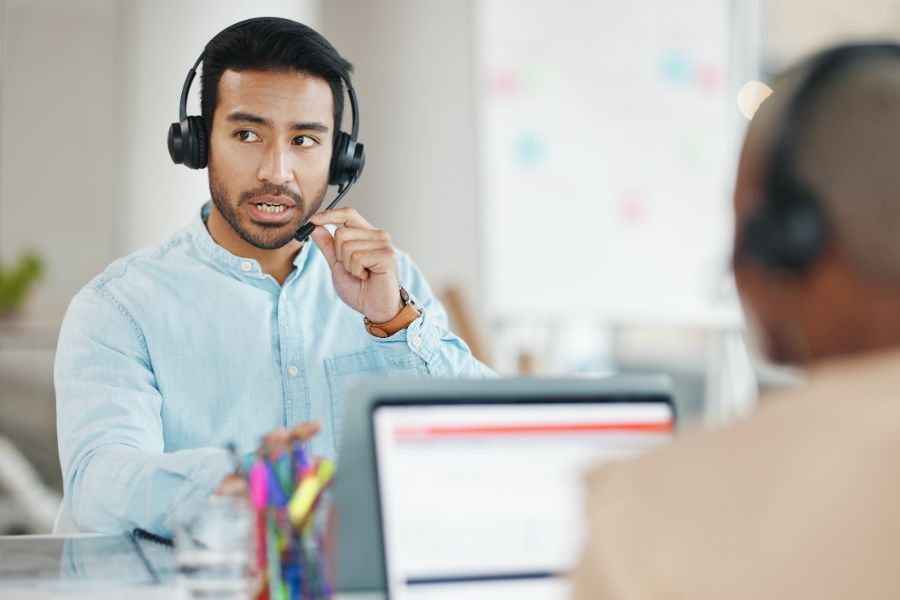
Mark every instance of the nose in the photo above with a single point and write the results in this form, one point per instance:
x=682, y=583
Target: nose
x=275, y=167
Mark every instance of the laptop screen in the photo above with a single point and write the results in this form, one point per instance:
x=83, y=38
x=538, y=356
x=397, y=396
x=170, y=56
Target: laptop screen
x=485, y=500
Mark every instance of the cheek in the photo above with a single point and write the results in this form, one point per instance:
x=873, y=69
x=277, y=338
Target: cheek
x=313, y=171
x=222, y=155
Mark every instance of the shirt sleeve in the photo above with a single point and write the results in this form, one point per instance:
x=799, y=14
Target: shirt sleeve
x=116, y=474
x=444, y=353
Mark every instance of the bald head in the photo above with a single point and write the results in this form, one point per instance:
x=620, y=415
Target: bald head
x=848, y=153
x=845, y=149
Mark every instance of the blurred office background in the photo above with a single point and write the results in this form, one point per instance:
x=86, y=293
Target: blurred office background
x=561, y=171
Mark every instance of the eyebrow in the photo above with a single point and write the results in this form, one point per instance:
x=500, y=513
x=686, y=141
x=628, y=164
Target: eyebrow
x=243, y=117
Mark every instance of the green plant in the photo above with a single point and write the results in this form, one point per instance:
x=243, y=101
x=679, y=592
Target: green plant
x=15, y=281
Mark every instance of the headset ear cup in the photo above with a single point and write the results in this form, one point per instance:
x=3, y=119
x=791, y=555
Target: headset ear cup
x=196, y=149
x=339, y=160
x=789, y=239
x=176, y=146
x=803, y=234
x=359, y=161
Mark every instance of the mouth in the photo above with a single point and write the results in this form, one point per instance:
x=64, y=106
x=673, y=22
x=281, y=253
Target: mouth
x=272, y=209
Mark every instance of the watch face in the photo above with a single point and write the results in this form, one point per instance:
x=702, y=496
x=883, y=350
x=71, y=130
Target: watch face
x=410, y=299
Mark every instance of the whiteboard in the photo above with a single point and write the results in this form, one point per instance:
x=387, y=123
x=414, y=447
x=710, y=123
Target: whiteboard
x=609, y=140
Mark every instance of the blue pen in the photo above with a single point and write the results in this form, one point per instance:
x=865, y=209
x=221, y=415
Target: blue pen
x=302, y=460
x=276, y=494
x=283, y=468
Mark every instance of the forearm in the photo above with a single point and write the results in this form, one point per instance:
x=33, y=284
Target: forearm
x=115, y=488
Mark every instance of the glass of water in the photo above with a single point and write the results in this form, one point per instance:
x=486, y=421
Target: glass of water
x=213, y=548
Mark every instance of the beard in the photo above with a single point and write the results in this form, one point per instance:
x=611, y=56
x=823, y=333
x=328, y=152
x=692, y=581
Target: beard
x=265, y=236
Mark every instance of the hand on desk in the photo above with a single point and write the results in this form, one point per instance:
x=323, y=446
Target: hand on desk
x=276, y=442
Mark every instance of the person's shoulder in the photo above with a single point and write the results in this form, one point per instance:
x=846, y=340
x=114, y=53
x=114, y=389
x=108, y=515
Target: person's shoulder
x=147, y=262
x=698, y=458
x=790, y=425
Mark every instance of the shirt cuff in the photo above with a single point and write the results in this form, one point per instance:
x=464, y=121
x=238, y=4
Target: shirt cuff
x=421, y=337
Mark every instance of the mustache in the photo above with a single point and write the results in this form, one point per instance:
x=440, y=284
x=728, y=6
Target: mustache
x=270, y=189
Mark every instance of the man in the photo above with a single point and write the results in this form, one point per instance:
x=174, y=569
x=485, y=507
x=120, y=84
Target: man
x=231, y=328
x=800, y=500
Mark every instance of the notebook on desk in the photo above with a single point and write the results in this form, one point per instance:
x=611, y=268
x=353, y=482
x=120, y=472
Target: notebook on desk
x=472, y=489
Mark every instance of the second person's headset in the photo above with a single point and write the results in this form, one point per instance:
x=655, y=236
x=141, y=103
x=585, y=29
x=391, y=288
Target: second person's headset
x=789, y=230
x=189, y=139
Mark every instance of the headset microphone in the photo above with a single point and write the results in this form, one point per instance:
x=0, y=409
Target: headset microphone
x=306, y=230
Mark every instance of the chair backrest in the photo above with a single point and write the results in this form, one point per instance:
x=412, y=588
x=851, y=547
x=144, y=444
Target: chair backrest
x=63, y=523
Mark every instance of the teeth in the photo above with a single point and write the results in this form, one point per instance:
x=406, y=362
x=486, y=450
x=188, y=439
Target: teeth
x=271, y=208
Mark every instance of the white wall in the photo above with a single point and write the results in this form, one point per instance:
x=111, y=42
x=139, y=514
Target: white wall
x=799, y=28
x=414, y=74
x=57, y=130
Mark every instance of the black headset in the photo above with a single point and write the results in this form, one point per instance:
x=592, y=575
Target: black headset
x=189, y=139
x=789, y=230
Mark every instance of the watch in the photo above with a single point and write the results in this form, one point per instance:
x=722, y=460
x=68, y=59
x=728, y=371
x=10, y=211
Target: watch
x=412, y=310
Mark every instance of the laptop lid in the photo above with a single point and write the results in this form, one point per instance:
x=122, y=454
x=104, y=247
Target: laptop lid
x=482, y=497
x=360, y=559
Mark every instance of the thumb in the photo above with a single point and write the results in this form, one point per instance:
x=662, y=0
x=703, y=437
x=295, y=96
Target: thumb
x=325, y=241
x=304, y=431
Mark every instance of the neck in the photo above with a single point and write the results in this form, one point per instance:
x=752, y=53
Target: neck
x=278, y=262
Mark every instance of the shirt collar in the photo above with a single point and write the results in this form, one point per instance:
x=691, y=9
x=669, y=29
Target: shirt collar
x=241, y=266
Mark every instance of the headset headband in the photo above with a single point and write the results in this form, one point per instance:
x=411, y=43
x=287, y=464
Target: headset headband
x=189, y=79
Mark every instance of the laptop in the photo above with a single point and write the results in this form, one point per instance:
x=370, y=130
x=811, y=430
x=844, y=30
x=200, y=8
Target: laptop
x=473, y=489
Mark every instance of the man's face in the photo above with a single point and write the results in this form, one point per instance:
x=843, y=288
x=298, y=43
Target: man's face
x=269, y=154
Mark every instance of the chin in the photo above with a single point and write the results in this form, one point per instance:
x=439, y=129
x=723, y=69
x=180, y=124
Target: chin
x=270, y=238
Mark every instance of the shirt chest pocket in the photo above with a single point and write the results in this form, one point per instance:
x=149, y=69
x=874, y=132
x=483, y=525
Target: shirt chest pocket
x=341, y=371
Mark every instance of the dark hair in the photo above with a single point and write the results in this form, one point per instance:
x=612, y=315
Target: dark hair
x=271, y=44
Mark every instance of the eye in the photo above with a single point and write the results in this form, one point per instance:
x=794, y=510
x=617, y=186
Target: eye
x=304, y=141
x=246, y=136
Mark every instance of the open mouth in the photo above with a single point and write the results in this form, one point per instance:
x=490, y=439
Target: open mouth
x=272, y=209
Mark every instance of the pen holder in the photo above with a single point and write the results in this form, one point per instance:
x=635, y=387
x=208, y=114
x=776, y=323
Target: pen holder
x=214, y=547
x=286, y=495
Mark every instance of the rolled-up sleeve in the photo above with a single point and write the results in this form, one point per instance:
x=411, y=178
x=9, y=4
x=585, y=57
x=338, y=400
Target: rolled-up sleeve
x=116, y=475
x=444, y=353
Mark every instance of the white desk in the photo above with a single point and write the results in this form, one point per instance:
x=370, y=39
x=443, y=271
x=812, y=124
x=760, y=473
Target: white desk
x=85, y=567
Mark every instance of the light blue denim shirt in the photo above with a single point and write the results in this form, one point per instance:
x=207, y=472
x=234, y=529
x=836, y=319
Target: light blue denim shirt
x=176, y=350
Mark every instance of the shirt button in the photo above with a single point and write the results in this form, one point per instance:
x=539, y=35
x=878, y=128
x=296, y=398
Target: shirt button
x=246, y=266
x=416, y=341
x=293, y=370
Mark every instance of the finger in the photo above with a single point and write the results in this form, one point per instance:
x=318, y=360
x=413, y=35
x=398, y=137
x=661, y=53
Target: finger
x=348, y=248
x=346, y=215
x=323, y=239
x=342, y=235
x=364, y=262
x=302, y=432
x=232, y=485
x=276, y=442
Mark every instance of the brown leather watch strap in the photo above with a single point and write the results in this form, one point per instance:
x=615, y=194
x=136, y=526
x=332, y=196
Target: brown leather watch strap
x=403, y=320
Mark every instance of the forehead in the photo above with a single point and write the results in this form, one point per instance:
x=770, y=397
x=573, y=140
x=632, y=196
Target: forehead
x=279, y=96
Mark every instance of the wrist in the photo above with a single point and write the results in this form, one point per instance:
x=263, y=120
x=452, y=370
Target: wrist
x=409, y=312
x=385, y=317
